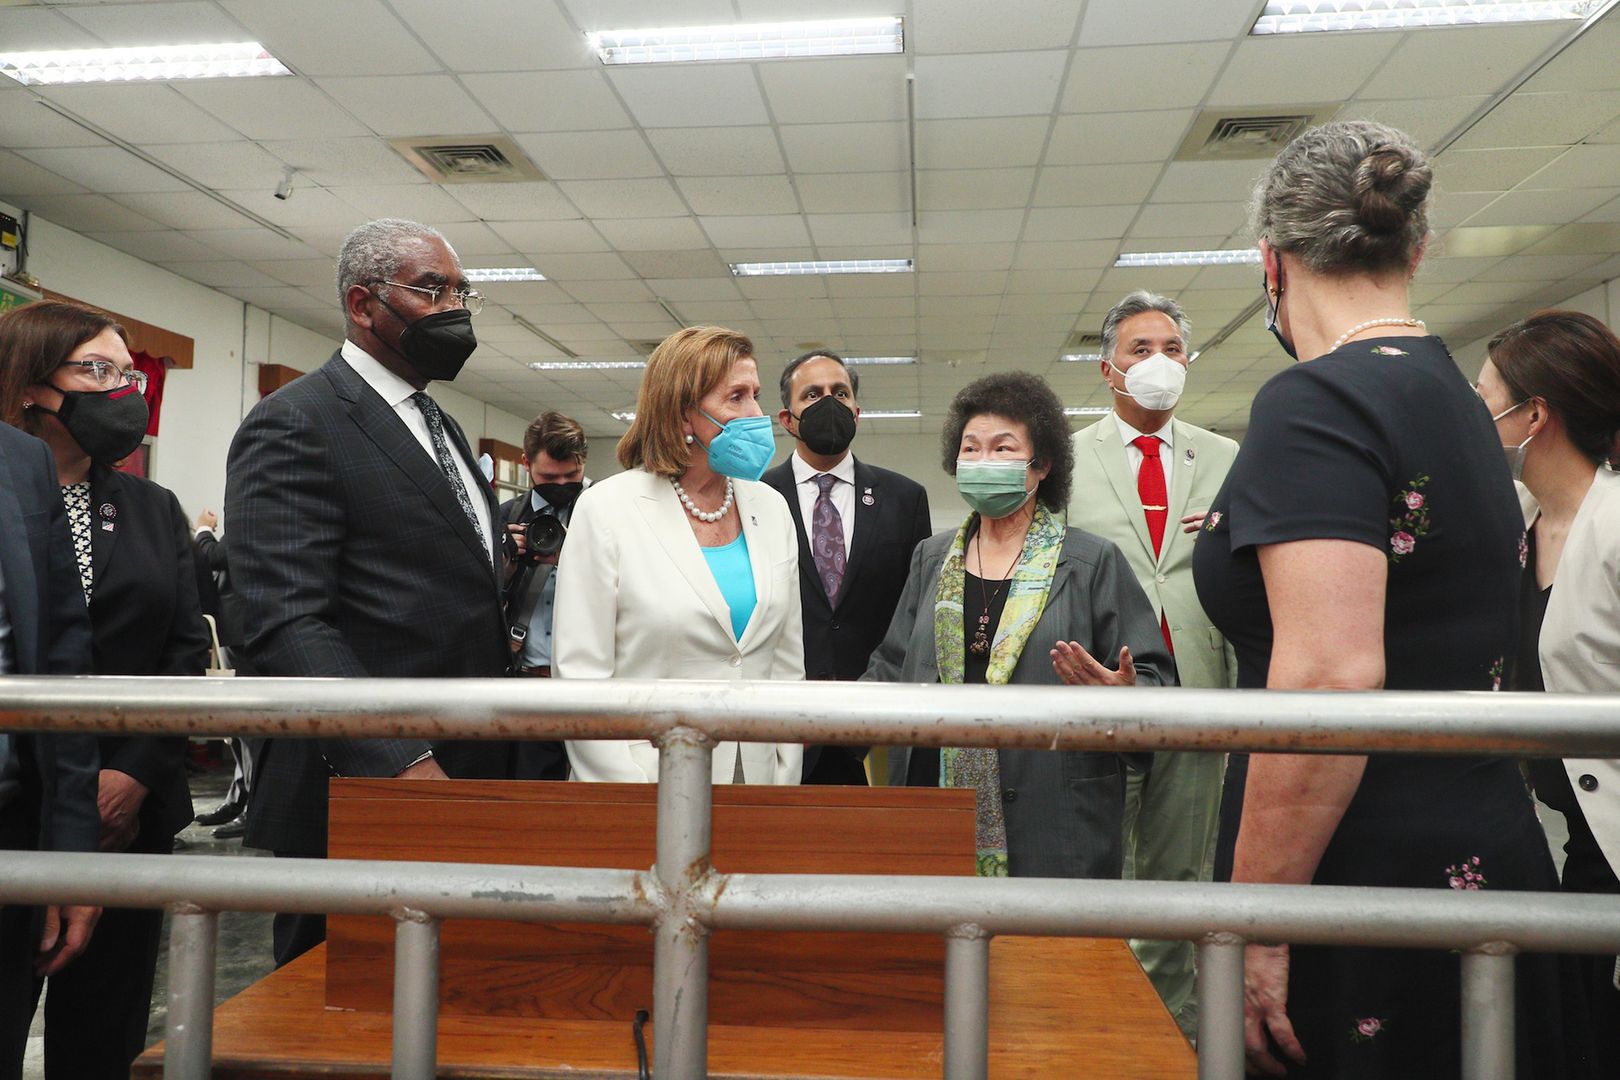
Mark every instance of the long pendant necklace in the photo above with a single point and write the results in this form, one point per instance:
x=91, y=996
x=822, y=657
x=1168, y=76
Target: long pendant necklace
x=980, y=646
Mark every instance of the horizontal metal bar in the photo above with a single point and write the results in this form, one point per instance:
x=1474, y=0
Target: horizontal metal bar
x=1302, y=914
x=1039, y=717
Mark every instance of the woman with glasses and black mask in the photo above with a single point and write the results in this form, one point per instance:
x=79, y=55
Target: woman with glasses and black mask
x=66, y=376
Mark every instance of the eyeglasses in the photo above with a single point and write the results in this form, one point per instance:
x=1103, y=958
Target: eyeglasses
x=109, y=375
x=471, y=299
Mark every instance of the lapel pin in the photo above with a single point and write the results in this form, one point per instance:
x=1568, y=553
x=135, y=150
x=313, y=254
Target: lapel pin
x=106, y=526
x=1188, y=460
x=108, y=510
x=868, y=498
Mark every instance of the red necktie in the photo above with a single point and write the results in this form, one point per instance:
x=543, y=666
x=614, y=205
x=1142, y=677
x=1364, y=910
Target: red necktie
x=1155, y=497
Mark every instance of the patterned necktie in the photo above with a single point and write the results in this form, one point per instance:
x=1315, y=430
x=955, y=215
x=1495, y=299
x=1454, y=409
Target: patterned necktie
x=447, y=462
x=827, y=539
x=1155, y=497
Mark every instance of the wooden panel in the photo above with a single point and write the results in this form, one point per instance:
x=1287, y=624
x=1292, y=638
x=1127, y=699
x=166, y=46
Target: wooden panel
x=1058, y=1007
x=144, y=337
x=273, y=377
x=856, y=981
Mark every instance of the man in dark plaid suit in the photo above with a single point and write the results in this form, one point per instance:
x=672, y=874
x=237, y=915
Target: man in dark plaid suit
x=363, y=536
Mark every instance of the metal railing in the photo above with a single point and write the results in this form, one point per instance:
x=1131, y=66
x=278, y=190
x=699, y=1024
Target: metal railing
x=684, y=899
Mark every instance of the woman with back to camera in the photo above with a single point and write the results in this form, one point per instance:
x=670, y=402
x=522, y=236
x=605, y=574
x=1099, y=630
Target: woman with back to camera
x=1015, y=596
x=685, y=566
x=66, y=376
x=1368, y=537
x=1552, y=384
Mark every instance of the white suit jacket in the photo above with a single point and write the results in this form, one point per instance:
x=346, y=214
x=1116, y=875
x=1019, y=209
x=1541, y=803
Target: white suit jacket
x=636, y=600
x=1580, y=643
x=1104, y=500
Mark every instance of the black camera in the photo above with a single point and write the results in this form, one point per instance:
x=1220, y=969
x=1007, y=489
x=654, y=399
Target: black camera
x=544, y=535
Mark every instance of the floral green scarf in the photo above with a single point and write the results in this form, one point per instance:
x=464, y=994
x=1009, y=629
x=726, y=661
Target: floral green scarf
x=978, y=767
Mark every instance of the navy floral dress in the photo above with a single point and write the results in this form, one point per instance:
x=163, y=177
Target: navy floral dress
x=1383, y=442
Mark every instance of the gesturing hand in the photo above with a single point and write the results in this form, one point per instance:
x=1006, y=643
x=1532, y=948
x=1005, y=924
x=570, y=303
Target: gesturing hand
x=1076, y=667
x=1265, y=1012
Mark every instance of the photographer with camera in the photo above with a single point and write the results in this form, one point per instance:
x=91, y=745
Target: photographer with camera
x=554, y=450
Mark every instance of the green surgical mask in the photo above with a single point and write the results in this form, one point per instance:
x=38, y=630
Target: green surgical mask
x=994, y=488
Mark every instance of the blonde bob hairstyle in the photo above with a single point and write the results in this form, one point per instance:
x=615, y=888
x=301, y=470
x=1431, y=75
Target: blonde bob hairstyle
x=685, y=366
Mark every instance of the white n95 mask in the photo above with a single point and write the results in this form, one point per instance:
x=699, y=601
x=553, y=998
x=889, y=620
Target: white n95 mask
x=1155, y=383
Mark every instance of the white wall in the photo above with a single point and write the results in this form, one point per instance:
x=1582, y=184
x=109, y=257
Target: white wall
x=203, y=405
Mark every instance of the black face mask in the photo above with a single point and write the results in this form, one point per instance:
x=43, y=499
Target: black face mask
x=827, y=427
x=1273, y=307
x=560, y=496
x=107, y=424
x=438, y=344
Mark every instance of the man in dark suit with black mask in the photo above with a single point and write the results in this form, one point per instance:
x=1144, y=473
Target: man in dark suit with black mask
x=363, y=535
x=47, y=782
x=857, y=526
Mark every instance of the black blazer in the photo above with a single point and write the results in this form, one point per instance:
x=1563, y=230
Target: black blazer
x=352, y=558
x=214, y=574
x=145, y=620
x=839, y=641
x=50, y=635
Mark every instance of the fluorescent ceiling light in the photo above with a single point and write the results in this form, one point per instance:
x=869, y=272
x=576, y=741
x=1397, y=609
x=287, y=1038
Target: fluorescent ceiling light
x=749, y=41
x=1225, y=257
x=1080, y=358
x=625, y=416
x=504, y=273
x=834, y=266
x=145, y=63
x=889, y=414
x=588, y=365
x=878, y=361
x=1087, y=410
x=1304, y=16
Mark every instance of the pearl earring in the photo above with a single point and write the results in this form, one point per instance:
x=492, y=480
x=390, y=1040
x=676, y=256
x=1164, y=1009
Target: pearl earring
x=690, y=440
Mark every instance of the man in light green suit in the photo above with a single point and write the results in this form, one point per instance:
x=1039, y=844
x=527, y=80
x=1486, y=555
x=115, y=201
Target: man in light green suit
x=1144, y=480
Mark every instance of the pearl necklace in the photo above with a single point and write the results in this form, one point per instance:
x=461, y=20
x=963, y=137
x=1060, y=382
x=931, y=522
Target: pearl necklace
x=1370, y=323
x=691, y=507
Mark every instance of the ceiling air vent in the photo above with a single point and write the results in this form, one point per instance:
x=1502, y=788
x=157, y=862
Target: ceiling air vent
x=472, y=159
x=1248, y=133
x=1082, y=339
x=645, y=348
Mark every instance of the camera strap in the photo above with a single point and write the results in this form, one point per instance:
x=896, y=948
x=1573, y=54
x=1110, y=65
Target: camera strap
x=522, y=585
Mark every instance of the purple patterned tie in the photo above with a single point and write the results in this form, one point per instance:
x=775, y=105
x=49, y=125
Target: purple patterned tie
x=827, y=539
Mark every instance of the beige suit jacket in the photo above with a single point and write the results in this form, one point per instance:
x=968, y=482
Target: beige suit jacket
x=636, y=600
x=1104, y=501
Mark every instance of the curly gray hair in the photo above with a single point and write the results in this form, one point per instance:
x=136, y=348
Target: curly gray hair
x=373, y=251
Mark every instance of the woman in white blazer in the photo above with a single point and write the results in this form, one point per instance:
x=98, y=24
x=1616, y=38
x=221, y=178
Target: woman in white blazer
x=684, y=566
x=1553, y=384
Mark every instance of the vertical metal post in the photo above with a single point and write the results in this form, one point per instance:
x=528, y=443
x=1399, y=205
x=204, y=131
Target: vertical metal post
x=416, y=995
x=1487, y=1013
x=1220, y=1007
x=189, y=1038
x=967, y=1003
x=681, y=943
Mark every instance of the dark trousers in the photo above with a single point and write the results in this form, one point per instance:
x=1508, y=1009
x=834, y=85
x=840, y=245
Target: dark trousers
x=292, y=935
x=19, y=935
x=97, y=1008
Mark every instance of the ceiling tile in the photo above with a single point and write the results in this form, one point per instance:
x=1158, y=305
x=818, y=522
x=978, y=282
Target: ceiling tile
x=398, y=105
x=470, y=238
x=1204, y=181
x=654, y=234
x=1426, y=120
x=1132, y=22
x=1080, y=223
x=1095, y=138
x=571, y=268
x=1490, y=170
x=537, y=237
x=223, y=273
x=333, y=162
x=841, y=90
x=667, y=266
x=252, y=244
x=548, y=101
x=303, y=272
x=786, y=230
x=1543, y=120
x=1109, y=80
x=272, y=108
x=318, y=37
x=141, y=113
x=824, y=148
x=969, y=227
x=309, y=207
x=681, y=290
x=184, y=210
x=836, y=193
x=29, y=123
x=988, y=84
x=1094, y=185
x=979, y=144
x=1171, y=220
x=105, y=169
x=1542, y=207
x=221, y=165
x=719, y=195
x=1295, y=69
x=527, y=201
x=945, y=257
x=623, y=198
x=834, y=229
x=498, y=35
x=21, y=177
x=591, y=155
x=1070, y=255
x=158, y=24
x=28, y=28
x=666, y=95
x=416, y=202
x=1580, y=167
x=1443, y=61
x=978, y=283
x=157, y=247
x=974, y=189
x=731, y=151
x=948, y=26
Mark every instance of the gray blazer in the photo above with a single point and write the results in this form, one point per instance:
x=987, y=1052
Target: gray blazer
x=1063, y=808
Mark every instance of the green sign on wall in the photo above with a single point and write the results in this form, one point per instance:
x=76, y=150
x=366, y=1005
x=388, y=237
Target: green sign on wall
x=13, y=295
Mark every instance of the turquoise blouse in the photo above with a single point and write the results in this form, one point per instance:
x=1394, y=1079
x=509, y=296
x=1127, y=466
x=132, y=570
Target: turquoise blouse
x=735, y=575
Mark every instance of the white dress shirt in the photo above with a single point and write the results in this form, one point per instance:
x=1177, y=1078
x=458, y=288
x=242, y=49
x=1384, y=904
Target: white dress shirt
x=842, y=495
x=1133, y=455
x=396, y=393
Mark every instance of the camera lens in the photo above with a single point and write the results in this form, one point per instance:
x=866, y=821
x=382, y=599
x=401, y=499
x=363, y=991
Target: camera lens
x=546, y=535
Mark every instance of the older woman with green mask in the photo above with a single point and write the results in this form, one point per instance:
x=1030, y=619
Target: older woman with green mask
x=1015, y=596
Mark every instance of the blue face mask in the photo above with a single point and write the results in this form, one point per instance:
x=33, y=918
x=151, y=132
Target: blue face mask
x=743, y=448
